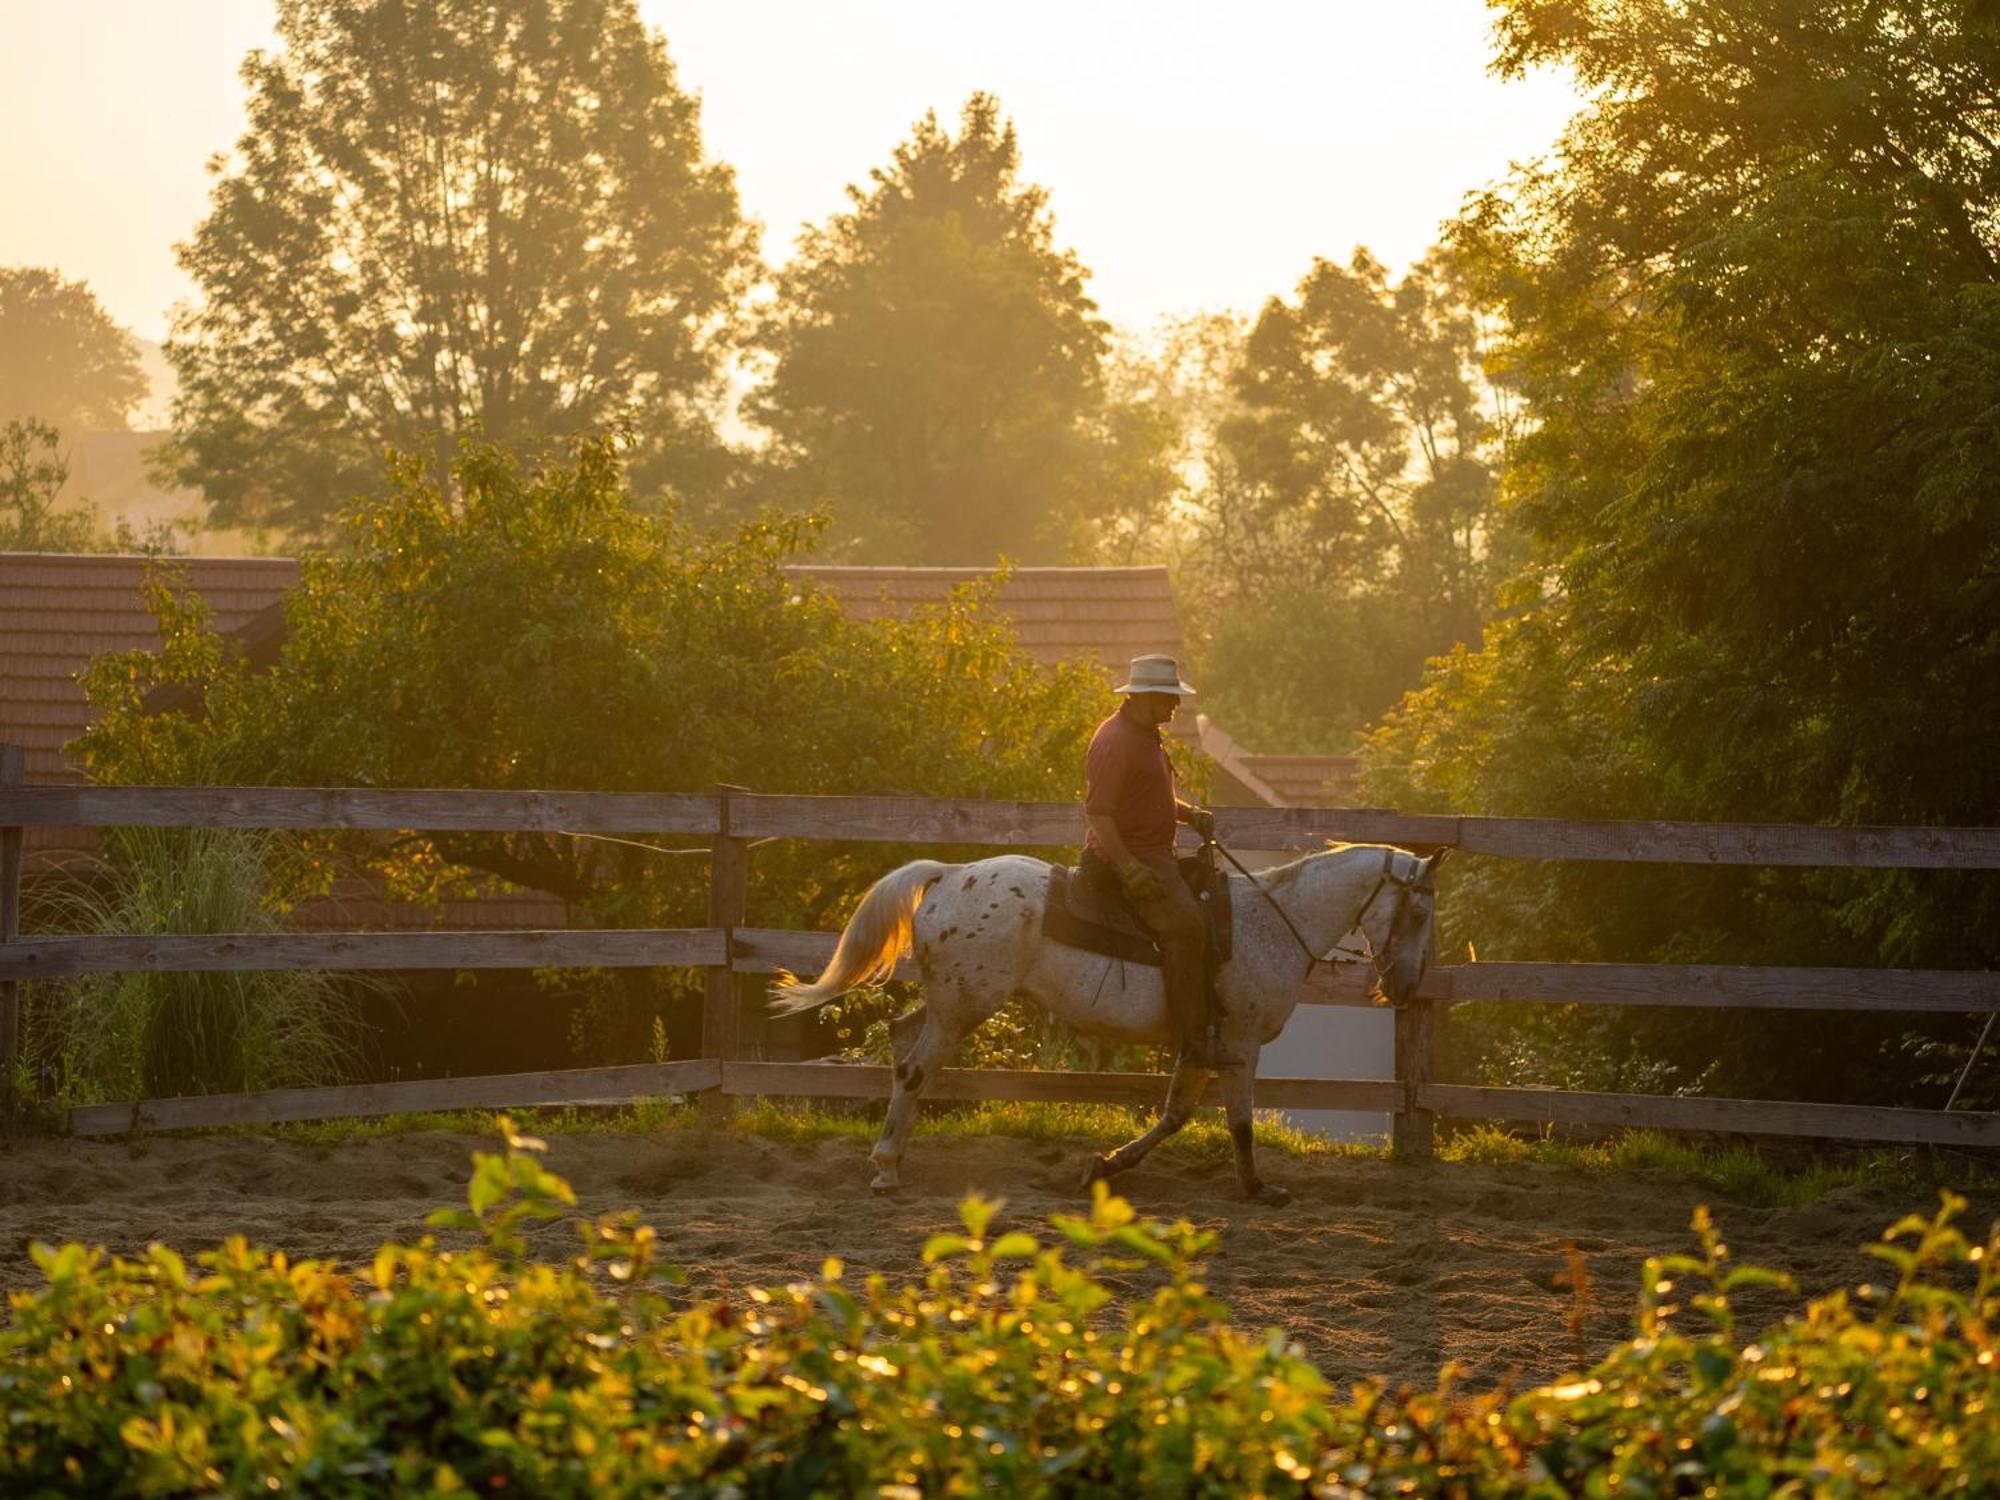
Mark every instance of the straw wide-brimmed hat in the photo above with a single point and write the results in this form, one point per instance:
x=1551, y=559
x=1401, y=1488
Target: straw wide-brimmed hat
x=1155, y=674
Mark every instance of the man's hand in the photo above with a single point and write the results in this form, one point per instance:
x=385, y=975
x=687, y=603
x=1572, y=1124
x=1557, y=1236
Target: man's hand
x=1202, y=821
x=1142, y=883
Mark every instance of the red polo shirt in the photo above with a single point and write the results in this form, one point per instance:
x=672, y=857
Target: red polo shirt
x=1127, y=776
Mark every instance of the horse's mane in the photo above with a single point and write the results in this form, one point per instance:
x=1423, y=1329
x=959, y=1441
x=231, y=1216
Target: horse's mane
x=1278, y=877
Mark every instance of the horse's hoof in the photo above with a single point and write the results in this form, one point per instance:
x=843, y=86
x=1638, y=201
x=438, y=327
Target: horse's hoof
x=883, y=1186
x=1270, y=1193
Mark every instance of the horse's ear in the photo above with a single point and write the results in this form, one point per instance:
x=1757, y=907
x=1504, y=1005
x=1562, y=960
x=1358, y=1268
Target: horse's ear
x=1427, y=868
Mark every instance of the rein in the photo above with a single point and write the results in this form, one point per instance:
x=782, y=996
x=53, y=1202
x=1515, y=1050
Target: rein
x=1312, y=959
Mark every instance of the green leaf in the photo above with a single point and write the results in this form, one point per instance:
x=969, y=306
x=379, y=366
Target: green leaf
x=976, y=1213
x=488, y=1186
x=1713, y=1365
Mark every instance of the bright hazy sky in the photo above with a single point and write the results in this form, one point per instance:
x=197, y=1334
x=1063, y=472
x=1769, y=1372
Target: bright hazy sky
x=1198, y=156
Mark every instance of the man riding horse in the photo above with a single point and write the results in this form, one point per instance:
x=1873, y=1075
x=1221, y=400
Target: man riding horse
x=981, y=934
x=1131, y=808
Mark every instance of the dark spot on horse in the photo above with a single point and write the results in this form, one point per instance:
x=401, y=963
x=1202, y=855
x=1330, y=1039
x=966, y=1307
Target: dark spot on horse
x=948, y=933
x=1018, y=892
x=970, y=882
x=993, y=906
x=1239, y=1132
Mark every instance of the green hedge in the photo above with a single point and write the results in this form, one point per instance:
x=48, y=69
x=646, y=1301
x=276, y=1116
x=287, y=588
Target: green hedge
x=1012, y=1368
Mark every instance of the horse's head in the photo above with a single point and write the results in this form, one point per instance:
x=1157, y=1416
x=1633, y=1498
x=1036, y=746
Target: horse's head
x=1398, y=922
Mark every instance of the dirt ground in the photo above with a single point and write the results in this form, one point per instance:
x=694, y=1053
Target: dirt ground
x=1374, y=1269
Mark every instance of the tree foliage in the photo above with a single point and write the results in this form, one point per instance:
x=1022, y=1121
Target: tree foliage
x=1752, y=305
x=448, y=219
x=62, y=360
x=937, y=376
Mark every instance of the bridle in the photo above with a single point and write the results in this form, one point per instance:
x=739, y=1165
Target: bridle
x=1405, y=885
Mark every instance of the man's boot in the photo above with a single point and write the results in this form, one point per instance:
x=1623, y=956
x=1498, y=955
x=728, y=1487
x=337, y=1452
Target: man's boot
x=1219, y=1056
x=1202, y=1047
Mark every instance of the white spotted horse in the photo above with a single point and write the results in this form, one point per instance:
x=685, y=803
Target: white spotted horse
x=979, y=939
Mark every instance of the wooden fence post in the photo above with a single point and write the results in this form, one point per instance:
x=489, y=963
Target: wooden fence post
x=728, y=896
x=13, y=772
x=1416, y=1043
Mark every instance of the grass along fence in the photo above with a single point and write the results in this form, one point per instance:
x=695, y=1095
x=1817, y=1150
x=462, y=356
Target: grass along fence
x=730, y=952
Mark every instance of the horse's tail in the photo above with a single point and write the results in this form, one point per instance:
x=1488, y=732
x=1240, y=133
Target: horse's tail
x=875, y=937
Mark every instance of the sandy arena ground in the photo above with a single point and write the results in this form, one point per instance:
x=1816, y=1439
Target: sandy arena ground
x=1374, y=1269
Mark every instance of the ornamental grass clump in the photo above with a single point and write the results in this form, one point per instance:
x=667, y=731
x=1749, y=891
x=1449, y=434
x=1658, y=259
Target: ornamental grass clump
x=138, y=1033
x=1013, y=1366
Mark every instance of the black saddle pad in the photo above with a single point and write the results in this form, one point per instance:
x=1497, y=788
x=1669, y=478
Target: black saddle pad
x=1082, y=913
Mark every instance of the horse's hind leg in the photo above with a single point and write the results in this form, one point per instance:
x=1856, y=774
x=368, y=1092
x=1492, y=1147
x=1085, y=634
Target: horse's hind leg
x=917, y=1062
x=1237, y=1097
x=1183, y=1094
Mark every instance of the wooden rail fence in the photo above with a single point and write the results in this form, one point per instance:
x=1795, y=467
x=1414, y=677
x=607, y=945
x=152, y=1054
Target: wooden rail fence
x=736, y=958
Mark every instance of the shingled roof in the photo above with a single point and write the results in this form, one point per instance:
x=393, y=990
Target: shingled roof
x=1108, y=615
x=1309, y=780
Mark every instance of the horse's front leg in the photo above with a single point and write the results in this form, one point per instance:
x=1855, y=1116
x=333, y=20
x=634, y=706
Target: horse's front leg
x=1183, y=1094
x=1237, y=1096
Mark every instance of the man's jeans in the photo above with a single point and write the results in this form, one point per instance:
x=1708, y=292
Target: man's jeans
x=1175, y=919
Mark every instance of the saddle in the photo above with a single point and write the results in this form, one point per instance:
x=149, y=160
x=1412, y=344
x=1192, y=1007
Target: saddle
x=1087, y=909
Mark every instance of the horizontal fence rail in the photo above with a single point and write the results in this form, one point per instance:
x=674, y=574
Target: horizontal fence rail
x=617, y=1085
x=1736, y=987
x=932, y=820
x=821, y=1080
x=610, y=948
x=739, y=959
x=356, y=807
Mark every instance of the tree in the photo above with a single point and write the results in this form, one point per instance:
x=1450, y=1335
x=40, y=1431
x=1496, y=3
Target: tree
x=1362, y=437
x=62, y=360
x=445, y=219
x=33, y=474
x=937, y=378
x=1753, y=308
x=1341, y=511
